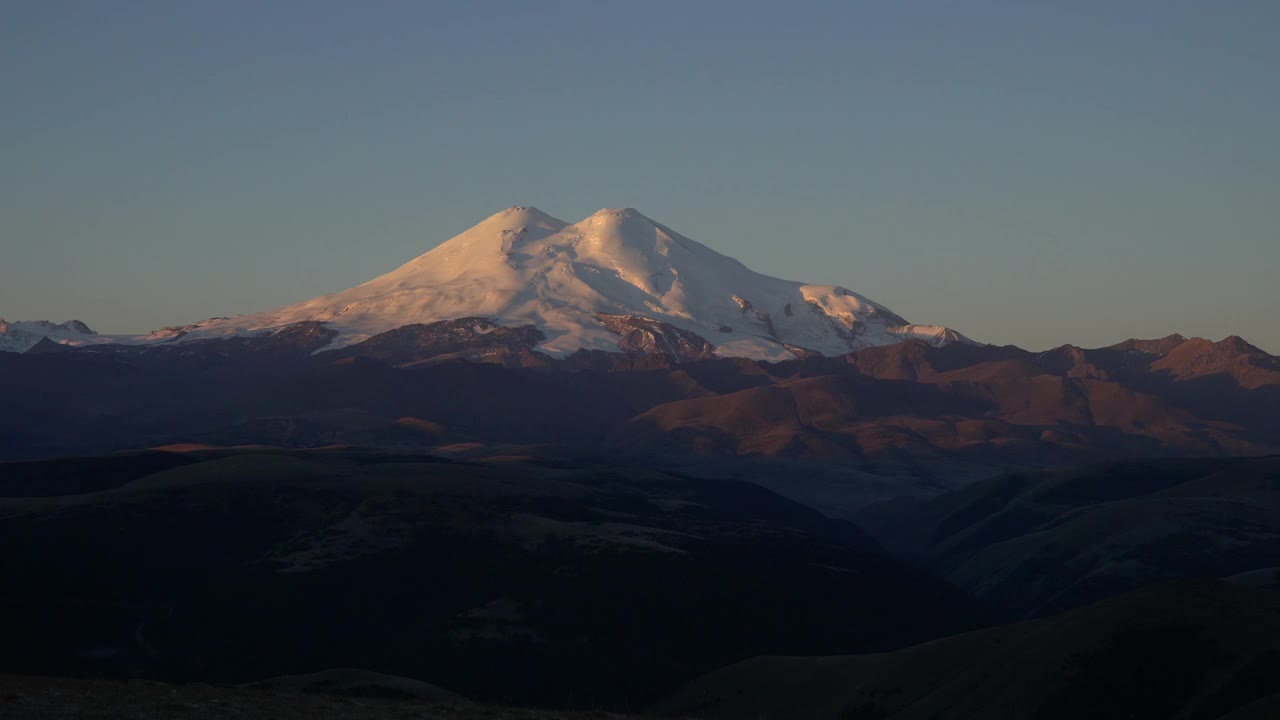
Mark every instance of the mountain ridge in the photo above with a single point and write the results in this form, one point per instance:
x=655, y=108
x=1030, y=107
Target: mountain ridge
x=853, y=430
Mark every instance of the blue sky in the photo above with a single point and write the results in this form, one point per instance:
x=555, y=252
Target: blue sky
x=1027, y=172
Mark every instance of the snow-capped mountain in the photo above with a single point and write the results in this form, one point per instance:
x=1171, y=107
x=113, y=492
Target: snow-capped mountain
x=616, y=280
x=22, y=335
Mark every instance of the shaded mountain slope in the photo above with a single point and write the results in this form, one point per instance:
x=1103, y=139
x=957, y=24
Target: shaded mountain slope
x=1039, y=542
x=1189, y=651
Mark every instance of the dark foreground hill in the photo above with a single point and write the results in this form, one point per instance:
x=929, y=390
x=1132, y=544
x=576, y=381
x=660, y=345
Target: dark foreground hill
x=1036, y=543
x=1186, y=651
x=43, y=698
x=510, y=581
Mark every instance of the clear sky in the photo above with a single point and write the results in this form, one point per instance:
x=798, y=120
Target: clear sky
x=1035, y=173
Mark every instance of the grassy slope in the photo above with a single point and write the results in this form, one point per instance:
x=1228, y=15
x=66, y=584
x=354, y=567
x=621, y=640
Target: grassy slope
x=43, y=698
x=512, y=582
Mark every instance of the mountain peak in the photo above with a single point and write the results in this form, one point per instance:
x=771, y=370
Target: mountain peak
x=487, y=241
x=593, y=285
x=1240, y=345
x=618, y=218
x=517, y=215
x=21, y=335
x=524, y=211
x=624, y=212
x=1159, y=346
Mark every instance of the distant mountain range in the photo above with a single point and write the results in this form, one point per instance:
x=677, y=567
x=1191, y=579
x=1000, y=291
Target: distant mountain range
x=617, y=333
x=838, y=433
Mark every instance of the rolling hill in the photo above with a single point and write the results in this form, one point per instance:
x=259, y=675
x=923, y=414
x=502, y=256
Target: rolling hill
x=1186, y=651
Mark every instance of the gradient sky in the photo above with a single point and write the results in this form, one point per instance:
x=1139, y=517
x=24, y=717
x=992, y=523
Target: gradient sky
x=1027, y=172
